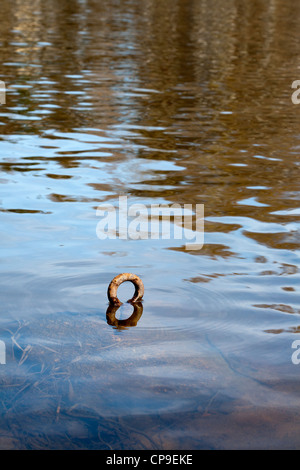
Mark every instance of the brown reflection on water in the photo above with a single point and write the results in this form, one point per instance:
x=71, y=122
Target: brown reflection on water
x=121, y=324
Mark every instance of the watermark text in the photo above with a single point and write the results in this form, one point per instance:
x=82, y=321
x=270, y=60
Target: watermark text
x=2, y=92
x=296, y=94
x=2, y=352
x=157, y=221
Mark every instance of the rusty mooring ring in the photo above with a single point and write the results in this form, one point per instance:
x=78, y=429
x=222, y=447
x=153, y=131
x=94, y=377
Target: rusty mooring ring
x=117, y=281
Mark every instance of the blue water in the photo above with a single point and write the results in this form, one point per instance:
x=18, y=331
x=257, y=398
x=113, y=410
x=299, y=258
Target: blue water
x=164, y=103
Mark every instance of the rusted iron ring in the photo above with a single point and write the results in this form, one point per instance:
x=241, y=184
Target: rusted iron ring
x=117, y=281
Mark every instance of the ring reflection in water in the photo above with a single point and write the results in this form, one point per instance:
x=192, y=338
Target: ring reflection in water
x=126, y=323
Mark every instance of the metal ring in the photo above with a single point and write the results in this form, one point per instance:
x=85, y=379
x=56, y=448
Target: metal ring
x=117, y=281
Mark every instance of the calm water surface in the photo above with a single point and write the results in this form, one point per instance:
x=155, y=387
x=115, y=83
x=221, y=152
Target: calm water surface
x=182, y=101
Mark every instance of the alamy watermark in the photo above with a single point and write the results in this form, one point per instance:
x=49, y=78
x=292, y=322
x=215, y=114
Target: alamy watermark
x=296, y=95
x=2, y=92
x=157, y=221
x=295, y=356
x=2, y=352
